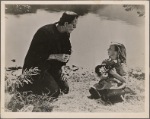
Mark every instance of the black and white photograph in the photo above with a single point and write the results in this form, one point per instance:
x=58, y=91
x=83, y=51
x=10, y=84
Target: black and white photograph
x=68, y=59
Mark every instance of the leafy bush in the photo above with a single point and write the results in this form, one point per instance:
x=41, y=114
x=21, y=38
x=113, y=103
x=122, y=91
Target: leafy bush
x=19, y=9
x=14, y=81
x=25, y=101
x=37, y=103
x=138, y=8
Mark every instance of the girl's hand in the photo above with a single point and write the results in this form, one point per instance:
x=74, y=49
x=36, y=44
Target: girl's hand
x=113, y=71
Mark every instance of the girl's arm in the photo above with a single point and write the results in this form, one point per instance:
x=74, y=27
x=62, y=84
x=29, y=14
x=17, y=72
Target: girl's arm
x=120, y=87
x=117, y=76
x=122, y=76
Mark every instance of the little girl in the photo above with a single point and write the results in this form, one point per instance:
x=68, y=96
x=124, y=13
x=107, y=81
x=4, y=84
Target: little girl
x=112, y=73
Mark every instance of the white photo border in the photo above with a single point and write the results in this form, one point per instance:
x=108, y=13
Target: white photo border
x=75, y=115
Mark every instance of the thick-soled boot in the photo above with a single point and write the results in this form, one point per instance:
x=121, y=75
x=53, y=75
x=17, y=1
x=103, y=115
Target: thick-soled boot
x=64, y=87
x=94, y=93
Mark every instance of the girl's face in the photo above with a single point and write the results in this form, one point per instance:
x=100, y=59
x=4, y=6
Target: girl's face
x=112, y=53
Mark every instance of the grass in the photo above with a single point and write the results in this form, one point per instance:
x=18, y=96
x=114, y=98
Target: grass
x=77, y=100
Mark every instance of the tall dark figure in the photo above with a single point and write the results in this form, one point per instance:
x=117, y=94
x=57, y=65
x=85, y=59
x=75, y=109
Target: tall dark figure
x=50, y=49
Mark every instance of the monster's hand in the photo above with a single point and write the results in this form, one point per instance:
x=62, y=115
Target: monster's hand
x=60, y=57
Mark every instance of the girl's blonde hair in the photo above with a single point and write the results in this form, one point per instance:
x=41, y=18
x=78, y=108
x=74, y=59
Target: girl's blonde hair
x=120, y=48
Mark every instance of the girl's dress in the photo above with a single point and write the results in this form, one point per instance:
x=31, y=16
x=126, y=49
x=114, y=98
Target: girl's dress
x=121, y=69
x=104, y=86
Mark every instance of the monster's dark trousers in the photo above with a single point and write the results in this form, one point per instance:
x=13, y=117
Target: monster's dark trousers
x=50, y=81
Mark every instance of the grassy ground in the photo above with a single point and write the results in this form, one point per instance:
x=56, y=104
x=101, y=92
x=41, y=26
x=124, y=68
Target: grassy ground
x=77, y=100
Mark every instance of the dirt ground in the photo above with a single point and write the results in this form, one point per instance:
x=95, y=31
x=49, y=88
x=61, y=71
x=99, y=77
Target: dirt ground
x=77, y=100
